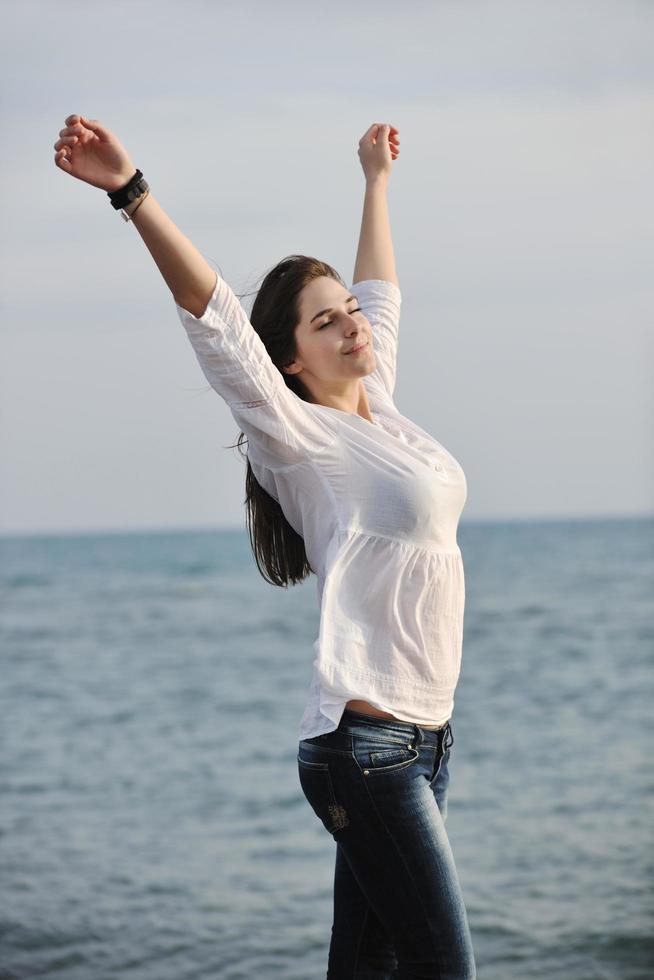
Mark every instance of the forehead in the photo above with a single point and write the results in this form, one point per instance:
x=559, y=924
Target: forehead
x=319, y=293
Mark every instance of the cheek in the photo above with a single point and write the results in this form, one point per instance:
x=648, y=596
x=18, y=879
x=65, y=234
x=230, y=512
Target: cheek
x=323, y=351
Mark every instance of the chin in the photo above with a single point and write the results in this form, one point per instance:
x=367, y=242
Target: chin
x=368, y=363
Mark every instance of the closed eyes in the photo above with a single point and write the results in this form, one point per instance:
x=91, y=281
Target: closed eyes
x=327, y=322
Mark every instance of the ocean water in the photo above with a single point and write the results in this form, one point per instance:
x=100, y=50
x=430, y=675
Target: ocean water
x=152, y=826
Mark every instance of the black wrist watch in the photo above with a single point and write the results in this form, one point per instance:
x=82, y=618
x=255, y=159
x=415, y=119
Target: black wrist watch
x=133, y=189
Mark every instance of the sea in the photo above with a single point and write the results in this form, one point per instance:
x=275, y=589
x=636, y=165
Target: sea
x=152, y=825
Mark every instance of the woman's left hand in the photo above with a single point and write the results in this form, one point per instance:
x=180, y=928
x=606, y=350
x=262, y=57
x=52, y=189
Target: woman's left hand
x=378, y=147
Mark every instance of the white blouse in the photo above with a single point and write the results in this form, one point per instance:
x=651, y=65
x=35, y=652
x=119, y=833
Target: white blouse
x=377, y=504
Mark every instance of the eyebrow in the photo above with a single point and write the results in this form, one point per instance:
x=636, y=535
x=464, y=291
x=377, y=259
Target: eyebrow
x=330, y=309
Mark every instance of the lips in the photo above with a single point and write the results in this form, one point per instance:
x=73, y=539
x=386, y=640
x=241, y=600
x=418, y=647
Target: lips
x=359, y=347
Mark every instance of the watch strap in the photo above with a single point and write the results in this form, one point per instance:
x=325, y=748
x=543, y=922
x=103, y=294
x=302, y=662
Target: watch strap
x=133, y=189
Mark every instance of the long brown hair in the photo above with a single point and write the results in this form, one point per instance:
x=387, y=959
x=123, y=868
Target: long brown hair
x=277, y=547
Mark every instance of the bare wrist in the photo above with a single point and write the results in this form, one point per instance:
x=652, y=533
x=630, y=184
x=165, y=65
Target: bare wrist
x=379, y=180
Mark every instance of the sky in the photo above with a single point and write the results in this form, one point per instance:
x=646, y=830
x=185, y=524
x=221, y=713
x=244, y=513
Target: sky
x=522, y=215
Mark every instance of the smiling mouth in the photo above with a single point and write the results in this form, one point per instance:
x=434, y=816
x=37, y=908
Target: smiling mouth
x=360, y=347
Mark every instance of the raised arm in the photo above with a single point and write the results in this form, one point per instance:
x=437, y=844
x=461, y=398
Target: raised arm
x=375, y=281
x=378, y=147
x=282, y=429
x=92, y=153
x=189, y=276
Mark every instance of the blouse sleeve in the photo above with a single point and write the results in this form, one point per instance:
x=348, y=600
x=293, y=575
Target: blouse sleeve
x=380, y=301
x=280, y=426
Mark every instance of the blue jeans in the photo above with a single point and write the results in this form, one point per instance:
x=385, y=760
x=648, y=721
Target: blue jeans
x=379, y=787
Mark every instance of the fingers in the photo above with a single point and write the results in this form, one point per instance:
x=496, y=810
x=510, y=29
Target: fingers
x=77, y=131
x=65, y=141
x=392, y=130
x=394, y=143
x=374, y=130
x=73, y=128
x=373, y=142
x=379, y=131
x=81, y=125
x=392, y=133
x=62, y=161
x=77, y=120
x=101, y=131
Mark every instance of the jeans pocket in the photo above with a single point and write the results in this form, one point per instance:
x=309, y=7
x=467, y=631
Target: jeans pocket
x=376, y=757
x=317, y=786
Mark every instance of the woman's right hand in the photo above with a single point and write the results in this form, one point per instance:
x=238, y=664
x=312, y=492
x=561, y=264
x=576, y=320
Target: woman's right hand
x=87, y=150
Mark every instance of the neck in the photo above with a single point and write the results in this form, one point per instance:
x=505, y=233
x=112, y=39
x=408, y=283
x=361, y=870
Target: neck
x=356, y=404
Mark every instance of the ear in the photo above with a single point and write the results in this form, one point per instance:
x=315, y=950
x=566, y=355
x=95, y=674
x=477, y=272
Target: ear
x=292, y=368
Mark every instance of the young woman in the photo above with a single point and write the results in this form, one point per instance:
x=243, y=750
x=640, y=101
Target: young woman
x=341, y=484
